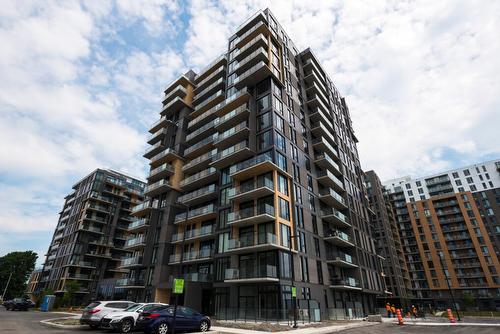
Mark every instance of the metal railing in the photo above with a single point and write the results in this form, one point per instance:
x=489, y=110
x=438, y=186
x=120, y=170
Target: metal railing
x=250, y=212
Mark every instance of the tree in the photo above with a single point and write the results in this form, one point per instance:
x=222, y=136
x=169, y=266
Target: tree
x=468, y=300
x=72, y=288
x=20, y=264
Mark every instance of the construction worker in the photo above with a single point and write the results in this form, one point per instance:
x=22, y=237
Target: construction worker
x=388, y=309
x=393, y=310
x=414, y=311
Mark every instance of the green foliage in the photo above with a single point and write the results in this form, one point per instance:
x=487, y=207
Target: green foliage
x=20, y=264
x=468, y=300
x=69, y=296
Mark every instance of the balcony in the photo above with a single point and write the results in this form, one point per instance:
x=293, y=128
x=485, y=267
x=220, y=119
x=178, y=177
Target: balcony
x=153, y=150
x=340, y=259
x=199, y=179
x=443, y=189
x=132, y=261
x=210, y=69
x=198, y=233
x=168, y=155
x=253, y=58
x=209, y=102
x=324, y=161
x=335, y=218
x=263, y=242
x=198, y=277
x=251, y=216
x=347, y=283
x=328, y=179
x=338, y=238
x=95, y=253
x=96, y=219
x=178, y=91
x=135, y=243
x=232, y=135
x=97, y=207
x=253, y=190
x=158, y=125
x=78, y=277
x=232, y=118
x=90, y=229
x=257, y=42
x=130, y=283
x=332, y=198
x=322, y=145
x=199, y=196
x=437, y=180
x=144, y=208
x=254, y=166
x=200, y=163
x=161, y=172
x=201, y=147
x=219, y=72
x=158, y=188
x=203, y=131
x=103, y=241
x=254, y=75
x=265, y=273
x=81, y=264
x=320, y=129
x=176, y=105
x=231, y=154
x=313, y=77
x=259, y=28
x=311, y=65
x=210, y=89
x=438, y=205
x=232, y=102
x=202, y=119
x=318, y=115
x=196, y=256
x=197, y=215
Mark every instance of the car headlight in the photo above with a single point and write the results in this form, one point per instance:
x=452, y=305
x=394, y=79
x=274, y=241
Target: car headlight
x=116, y=319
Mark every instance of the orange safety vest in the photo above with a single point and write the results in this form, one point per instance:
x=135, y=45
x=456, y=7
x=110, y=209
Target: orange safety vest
x=393, y=309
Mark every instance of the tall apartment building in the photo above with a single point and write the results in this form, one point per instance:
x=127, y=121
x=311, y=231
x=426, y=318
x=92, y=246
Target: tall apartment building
x=255, y=186
x=33, y=283
x=90, y=237
x=386, y=234
x=449, y=227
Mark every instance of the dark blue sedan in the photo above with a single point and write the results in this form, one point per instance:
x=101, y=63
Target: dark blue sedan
x=160, y=321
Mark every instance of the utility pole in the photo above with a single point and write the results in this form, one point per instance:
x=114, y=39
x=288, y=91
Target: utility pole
x=441, y=255
x=5, y=290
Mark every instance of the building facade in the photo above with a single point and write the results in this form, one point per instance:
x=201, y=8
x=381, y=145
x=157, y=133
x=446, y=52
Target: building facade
x=90, y=238
x=33, y=284
x=385, y=232
x=255, y=186
x=450, y=234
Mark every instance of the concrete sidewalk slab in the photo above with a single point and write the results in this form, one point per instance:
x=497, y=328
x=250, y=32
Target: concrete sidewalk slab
x=308, y=330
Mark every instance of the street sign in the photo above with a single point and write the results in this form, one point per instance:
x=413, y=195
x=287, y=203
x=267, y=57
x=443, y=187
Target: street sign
x=178, y=285
x=294, y=292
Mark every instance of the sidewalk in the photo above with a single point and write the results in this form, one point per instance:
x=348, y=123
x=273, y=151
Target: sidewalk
x=309, y=330
x=441, y=322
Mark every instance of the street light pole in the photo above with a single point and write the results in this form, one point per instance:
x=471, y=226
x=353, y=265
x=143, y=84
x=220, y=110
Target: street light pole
x=294, y=299
x=449, y=286
x=5, y=290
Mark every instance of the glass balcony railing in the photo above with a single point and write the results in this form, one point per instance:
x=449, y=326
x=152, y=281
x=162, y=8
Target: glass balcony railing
x=338, y=234
x=233, y=113
x=215, y=73
x=332, y=193
x=250, y=241
x=156, y=185
x=247, y=187
x=248, y=272
x=198, y=255
x=198, y=277
x=199, y=160
x=198, y=176
x=164, y=153
x=135, y=241
x=230, y=132
x=197, y=193
x=331, y=176
x=195, y=212
x=201, y=143
x=347, y=281
x=200, y=130
x=250, y=212
x=250, y=163
x=162, y=168
x=231, y=150
x=437, y=180
x=340, y=256
x=130, y=261
x=130, y=282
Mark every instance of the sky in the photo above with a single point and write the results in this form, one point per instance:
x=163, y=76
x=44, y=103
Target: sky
x=81, y=82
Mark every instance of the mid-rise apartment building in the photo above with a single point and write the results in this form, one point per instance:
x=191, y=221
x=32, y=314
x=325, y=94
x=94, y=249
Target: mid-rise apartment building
x=389, y=245
x=255, y=186
x=449, y=227
x=33, y=283
x=90, y=238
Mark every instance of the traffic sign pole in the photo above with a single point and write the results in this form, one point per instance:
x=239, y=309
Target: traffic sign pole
x=178, y=289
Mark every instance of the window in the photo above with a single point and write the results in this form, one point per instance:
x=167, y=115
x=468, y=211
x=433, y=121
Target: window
x=286, y=265
x=458, y=182
x=263, y=87
x=264, y=140
x=280, y=124
x=299, y=213
x=263, y=121
x=314, y=224
x=455, y=175
x=319, y=268
x=304, y=266
x=419, y=184
x=312, y=205
x=284, y=209
x=278, y=105
x=473, y=188
x=285, y=235
x=282, y=184
x=263, y=103
x=470, y=180
x=302, y=242
x=316, y=247
x=280, y=142
x=295, y=153
x=296, y=173
x=281, y=160
x=466, y=172
x=408, y=186
x=309, y=182
x=420, y=190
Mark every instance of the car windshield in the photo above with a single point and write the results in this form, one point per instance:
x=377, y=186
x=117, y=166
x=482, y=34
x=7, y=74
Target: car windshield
x=133, y=308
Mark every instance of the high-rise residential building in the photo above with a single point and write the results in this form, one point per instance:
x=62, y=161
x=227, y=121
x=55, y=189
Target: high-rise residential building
x=255, y=186
x=386, y=234
x=90, y=238
x=449, y=227
x=33, y=286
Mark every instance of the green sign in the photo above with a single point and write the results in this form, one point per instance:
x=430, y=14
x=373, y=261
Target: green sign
x=294, y=292
x=178, y=285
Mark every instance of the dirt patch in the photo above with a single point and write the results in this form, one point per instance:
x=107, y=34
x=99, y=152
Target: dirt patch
x=274, y=327
x=67, y=322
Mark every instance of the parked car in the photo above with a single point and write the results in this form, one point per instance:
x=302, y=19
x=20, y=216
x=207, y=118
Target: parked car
x=125, y=320
x=20, y=304
x=95, y=311
x=160, y=321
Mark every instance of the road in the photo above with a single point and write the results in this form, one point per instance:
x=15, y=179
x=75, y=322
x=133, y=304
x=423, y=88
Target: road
x=29, y=323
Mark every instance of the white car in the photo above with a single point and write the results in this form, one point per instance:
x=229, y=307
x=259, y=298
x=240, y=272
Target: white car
x=95, y=311
x=124, y=321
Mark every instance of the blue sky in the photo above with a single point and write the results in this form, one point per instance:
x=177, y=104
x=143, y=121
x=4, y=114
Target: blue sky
x=82, y=81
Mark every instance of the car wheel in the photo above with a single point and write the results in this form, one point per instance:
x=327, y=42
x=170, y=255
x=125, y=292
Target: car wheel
x=203, y=326
x=162, y=328
x=126, y=326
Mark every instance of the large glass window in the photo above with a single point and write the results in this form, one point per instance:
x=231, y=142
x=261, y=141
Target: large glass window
x=284, y=209
x=278, y=105
x=282, y=184
x=280, y=142
x=263, y=121
x=263, y=103
x=280, y=124
x=285, y=265
x=264, y=140
x=285, y=235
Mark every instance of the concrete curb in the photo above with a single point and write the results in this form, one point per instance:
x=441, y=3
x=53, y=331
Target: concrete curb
x=308, y=330
x=444, y=324
x=49, y=323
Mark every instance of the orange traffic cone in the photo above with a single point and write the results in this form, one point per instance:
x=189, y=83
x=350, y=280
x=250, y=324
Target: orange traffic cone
x=400, y=318
x=451, y=317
